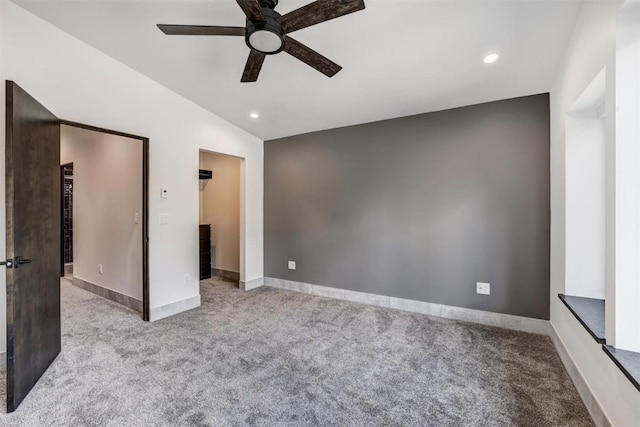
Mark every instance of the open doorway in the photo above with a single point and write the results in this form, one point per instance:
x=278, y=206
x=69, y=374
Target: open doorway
x=33, y=238
x=103, y=213
x=220, y=217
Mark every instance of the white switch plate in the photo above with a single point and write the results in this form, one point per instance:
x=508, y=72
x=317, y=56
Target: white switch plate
x=100, y=268
x=164, y=218
x=483, y=288
x=292, y=265
x=136, y=218
x=163, y=192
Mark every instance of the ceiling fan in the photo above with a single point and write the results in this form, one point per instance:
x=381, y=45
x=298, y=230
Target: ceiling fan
x=266, y=32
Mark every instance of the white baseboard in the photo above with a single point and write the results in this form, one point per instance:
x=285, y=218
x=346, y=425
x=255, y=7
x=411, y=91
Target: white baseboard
x=161, y=312
x=506, y=321
x=589, y=400
x=251, y=284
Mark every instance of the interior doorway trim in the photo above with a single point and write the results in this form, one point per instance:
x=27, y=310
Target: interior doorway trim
x=145, y=205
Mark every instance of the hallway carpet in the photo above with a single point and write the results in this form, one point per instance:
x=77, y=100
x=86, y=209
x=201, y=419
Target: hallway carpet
x=272, y=357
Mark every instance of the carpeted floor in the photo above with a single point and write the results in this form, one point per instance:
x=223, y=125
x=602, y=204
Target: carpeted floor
x=272, y=357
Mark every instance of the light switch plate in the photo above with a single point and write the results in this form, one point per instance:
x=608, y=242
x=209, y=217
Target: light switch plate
x=291, y=265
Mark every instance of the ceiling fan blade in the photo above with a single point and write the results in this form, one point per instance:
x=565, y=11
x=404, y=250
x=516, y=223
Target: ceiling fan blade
x=253, y=67
x=317, y=12
x=251, y=8
x=311, y=57
x=200, y=30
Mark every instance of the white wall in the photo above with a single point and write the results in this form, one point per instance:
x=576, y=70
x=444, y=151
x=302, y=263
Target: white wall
x=79, y=83
x=221, y=208
x=585, y=207
x=590, y=49
x=627, y=202
x=107, y=197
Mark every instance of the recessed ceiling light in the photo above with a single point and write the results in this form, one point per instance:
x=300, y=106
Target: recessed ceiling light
x=254, y=115
x=491, y=58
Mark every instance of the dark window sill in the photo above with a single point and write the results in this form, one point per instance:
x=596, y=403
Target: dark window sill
x=627, y=361
x=589, y=312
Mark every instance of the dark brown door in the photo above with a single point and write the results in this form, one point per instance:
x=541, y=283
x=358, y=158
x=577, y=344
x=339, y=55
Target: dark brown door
x=33, y=242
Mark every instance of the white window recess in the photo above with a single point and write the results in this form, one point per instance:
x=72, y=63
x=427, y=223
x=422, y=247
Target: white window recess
x=586, y=193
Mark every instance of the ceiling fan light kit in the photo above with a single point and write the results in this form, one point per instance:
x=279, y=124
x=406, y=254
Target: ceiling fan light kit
x=266, y=32
x=266, y=36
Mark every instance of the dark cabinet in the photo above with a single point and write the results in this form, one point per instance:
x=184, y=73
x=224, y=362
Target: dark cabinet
x=205, y=251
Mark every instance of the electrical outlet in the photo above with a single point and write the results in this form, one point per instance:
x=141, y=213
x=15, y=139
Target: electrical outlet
x=483, y=288
x=136, y=218
x=100, y=268
x=186, y=278
x=291, y=265
x=164, y=218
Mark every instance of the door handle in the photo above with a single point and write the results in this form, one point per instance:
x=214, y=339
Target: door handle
x=18, y=261
x=15, y=263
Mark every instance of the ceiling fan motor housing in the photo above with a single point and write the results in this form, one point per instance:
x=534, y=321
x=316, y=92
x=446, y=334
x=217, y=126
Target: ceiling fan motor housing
x=271, y=4
x=266, y=36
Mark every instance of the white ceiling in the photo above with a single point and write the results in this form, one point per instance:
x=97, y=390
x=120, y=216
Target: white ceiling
x=400, y=57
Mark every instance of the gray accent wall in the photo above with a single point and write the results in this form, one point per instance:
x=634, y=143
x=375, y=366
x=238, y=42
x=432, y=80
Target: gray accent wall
x=419, y=207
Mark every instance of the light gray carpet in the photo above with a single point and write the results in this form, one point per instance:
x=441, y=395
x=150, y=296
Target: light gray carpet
x=272, y=357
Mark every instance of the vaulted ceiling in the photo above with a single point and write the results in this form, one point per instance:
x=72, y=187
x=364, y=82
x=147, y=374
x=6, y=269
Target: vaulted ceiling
x=400, y=57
